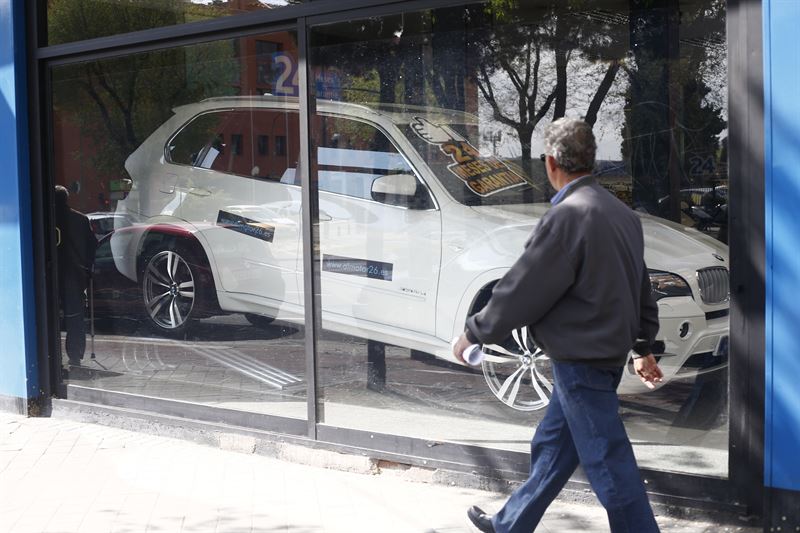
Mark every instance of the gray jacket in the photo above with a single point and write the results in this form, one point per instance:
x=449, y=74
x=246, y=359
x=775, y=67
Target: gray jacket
x=581, y=284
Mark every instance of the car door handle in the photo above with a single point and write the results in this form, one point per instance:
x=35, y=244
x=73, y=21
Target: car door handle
x=199, y=191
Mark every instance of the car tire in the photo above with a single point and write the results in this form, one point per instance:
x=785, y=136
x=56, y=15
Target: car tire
x=260, y=321
x=174, y=284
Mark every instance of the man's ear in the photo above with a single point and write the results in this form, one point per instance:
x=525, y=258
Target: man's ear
x=552, y=166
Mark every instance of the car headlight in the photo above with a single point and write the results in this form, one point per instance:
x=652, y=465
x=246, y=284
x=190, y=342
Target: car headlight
x=667, y=284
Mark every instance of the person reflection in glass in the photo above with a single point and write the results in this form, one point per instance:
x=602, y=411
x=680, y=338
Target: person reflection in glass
x=76, y=248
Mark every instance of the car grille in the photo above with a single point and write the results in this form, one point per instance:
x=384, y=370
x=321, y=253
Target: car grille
x=714, y=285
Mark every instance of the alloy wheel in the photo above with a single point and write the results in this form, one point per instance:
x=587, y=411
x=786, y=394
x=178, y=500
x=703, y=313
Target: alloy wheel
x=518, y=372
x=169, y=290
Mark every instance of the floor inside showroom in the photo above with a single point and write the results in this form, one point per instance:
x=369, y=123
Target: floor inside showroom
x=227, y=362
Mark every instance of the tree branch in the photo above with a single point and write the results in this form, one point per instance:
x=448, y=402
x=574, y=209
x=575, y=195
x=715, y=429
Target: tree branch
x=512, y=74
x=488, y=94
x=104, y=114
x=535, y=94
x=545, y=107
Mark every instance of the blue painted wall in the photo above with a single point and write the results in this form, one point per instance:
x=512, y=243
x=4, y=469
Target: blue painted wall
x=18, y=372
x=782, y=210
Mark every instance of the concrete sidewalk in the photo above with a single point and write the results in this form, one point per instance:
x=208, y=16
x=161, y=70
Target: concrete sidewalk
x=63, y=476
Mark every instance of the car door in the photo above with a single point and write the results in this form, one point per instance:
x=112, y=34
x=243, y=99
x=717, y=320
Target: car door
x=380, y=253
x=234, y=194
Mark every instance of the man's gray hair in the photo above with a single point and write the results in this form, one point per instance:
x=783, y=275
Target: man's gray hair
x=571, y=142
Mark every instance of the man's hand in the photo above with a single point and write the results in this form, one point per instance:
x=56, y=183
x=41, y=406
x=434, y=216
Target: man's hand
x=648, y=371
x=458, y=348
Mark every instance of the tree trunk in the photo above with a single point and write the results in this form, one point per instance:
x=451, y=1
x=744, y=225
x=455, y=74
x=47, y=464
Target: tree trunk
x=649, y=123
x=387, y=70
x=413, y=76
x=560, y=104
x=600, y=94
x=525, y=134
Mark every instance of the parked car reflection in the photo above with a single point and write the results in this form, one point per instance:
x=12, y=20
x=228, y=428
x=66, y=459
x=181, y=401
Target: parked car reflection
x=706, y=207
x=415, y=225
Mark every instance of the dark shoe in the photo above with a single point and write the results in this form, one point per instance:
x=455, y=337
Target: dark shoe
x=480, y=519
x=74, y=362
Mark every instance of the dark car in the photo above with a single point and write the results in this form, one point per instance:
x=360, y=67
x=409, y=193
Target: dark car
x=103, y=223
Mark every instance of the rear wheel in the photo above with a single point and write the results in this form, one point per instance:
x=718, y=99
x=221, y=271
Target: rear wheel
x=518, y=372
x=261, y=321
x=173, y=288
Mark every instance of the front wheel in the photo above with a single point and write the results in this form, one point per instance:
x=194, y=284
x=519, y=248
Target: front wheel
x=518, y=372
x=171, y=289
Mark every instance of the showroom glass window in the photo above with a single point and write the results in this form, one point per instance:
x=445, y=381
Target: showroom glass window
x=195, y=292
x=75, y=20
x=462, y=95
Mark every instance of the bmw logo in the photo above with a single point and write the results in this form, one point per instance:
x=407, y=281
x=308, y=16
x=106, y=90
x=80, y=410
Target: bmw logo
x=719, y=257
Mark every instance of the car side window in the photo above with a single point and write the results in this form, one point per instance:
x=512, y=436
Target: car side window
x=246, y=142
x=352, y=155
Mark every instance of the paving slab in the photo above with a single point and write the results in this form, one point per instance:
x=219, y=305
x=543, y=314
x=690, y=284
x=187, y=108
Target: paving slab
x=64, y=476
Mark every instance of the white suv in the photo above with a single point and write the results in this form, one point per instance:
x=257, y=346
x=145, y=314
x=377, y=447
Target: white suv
x=415, y=227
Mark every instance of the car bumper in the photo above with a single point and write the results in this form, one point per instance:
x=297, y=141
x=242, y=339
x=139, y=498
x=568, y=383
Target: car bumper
x=694, y=344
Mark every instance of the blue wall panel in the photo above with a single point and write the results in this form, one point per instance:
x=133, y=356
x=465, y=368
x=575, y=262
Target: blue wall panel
x=782, y=210
x=18, y=372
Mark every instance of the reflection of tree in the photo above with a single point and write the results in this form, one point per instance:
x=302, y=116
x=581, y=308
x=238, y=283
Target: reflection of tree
x=516, y=50
x=670, y=116
x=531, y=49
x=446, y=73
x=528, y=62
x=119, y=102
x=381, y=57
x=73, y=20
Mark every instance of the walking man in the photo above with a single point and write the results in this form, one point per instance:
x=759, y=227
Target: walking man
x=582, y=287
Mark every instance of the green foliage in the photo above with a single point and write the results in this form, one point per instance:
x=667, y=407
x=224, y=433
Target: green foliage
x=73, y=20
x=118, y=102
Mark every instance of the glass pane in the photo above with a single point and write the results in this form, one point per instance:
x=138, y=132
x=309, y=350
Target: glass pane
x=195, y=288
x=76, y=20
x=426, y=146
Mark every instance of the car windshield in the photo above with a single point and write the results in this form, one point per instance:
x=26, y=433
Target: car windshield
x=470, y=173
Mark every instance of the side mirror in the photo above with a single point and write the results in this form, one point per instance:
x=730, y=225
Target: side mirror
x=395, y=189
x=394, y=185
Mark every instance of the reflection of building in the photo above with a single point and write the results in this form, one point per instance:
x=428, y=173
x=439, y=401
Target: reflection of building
x=262, y=65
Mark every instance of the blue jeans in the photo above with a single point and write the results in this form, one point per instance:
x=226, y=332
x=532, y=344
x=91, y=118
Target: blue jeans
x=582, y=425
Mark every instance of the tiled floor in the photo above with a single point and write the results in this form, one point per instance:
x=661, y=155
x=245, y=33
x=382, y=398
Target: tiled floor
x=60, y=476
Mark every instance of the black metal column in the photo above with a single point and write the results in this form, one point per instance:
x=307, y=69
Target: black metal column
x=747, y=253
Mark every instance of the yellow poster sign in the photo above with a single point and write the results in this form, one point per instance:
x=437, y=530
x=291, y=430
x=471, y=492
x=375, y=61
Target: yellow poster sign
x=483, y=175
